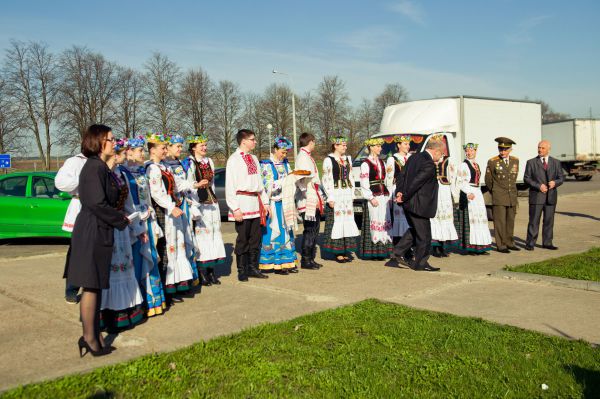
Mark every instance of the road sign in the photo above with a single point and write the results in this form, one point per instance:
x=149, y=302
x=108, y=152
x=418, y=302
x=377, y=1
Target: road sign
x=5, y=161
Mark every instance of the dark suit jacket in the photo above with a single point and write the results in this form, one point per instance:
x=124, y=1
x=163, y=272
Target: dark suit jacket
x=535, y=176
x=93, y=236
x=420, y=187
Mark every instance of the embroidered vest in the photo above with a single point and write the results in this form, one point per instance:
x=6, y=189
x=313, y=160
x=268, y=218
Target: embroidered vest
x=341, y=173
x=377, y=178
x=442, y=172
x=463, y=202
x=203, y=171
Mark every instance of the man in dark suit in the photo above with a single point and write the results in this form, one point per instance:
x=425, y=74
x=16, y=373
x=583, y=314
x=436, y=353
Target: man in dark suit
x=543, y=174
x=418, y=193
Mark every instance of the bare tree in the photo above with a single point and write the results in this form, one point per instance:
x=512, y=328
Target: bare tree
x=32, y=77
x=11, y=123
x=254, y=118
x=128, y=102
x=331, y=106
x=277, y=107
x=88, y=91
x=305, y=113
x=393, y=93
x=195, y=99
x=161, y=85
x=368, y=118
x=226, y=115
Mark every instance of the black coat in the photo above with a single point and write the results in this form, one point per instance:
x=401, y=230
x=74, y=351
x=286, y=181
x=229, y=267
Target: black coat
x=93, y=233
x=535, y=176
x=420, y=187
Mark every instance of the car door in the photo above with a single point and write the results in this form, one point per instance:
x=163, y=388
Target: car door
x=219, y=180
x=46, y=208
x=13, y=206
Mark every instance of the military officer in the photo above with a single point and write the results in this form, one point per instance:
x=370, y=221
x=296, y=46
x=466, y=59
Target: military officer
x=501, y=180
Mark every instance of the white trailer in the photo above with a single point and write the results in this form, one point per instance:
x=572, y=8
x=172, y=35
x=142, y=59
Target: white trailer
x=464, y=119
x=576, y=144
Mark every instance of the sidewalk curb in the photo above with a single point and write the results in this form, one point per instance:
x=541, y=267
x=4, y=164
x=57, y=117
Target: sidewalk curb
x=560, y=281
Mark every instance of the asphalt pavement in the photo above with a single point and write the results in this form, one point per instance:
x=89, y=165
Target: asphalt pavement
x=39, y=331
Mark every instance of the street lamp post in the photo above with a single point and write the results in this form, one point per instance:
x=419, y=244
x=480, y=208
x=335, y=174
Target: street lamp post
x=293, y=111
x=269, y=128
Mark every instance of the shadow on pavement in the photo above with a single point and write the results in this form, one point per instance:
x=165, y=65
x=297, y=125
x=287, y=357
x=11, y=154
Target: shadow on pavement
x=588, y=379
x=579, y=215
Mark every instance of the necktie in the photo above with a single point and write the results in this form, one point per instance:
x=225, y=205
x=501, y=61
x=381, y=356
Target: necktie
x=405, y=159
x=506, y=161
x=544, y=164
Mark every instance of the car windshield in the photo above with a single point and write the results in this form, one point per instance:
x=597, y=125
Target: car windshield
x=389, y=147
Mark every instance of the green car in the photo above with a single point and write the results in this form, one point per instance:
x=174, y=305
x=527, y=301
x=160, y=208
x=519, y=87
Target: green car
x=31, y=205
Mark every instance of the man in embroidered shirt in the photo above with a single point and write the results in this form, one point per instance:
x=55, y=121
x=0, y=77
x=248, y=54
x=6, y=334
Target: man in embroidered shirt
x=248, y=204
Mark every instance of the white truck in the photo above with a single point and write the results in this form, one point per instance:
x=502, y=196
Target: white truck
x=461, y=120
x=576, y=144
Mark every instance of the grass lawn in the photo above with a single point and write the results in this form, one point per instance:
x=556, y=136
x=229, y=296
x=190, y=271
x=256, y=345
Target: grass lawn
x=369, y=350
x=583, y=266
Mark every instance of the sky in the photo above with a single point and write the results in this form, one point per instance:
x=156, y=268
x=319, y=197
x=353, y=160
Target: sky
x=545, y=50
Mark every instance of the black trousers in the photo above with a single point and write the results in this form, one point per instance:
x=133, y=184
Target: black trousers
x=249, y=236
x=310, y=235
x=68, y=287
x=420, y=236
x=533, y=228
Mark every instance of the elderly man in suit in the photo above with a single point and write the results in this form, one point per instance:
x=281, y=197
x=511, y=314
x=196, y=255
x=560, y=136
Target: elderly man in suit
x=543, y=174
x=418, y=192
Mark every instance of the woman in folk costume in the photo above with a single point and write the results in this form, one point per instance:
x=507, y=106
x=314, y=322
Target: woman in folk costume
x=394, y=173
x=210, y=250
x=471, y=216
x=375, y=242
x=338, y=183
x=185, y=189
x=175, y=247
x=145, y=258
x=443, y=232
x=278, y=249
x=122, y=301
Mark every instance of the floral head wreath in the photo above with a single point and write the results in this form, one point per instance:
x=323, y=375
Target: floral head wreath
x=197, y=139
x=338, y=140
x=402, y=139
x=176, y=139
x=156, y=138
x=120, y=144
x=135, y=142
x=283, y=142
x=374, y=141
x=472, y=146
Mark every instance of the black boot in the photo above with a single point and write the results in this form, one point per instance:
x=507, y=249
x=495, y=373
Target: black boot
x=306, y=263
x=283, y=272
x=211, y=276
x=240, y=262
x=252, y=266
x=204, y=279
x=436, y=251
x=443, y=252
x=313, y=255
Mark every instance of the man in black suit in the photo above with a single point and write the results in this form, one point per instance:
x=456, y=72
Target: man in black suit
x=543, y=174
x=418, y=193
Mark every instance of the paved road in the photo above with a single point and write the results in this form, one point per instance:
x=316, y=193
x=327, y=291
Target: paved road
x=40, y=246
x=38, y=339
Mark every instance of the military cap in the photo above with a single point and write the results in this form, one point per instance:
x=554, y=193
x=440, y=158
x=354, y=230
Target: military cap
x=504, y=142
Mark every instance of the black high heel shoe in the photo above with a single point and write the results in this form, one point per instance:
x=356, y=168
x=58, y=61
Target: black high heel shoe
x=84, y=348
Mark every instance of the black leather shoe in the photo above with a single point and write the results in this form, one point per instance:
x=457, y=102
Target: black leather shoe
x=436, y=252
x=528, y=247
x=427, y=268
x=514, y=248
x=551, y=247
x=403, y=261
x=283, y=272
x=503, y=250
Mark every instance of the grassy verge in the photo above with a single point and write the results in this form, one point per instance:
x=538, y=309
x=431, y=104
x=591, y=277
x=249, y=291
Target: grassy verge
x=583, y=266
x=370, y=349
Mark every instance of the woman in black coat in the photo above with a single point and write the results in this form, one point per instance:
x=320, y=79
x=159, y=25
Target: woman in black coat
x=92, y=239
